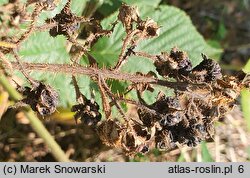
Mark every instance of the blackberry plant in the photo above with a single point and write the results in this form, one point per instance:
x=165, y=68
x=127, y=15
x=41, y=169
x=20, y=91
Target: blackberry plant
x=145, y=64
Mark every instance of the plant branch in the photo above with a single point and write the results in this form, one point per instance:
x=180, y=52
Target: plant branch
x=31, y=28
x=122, y=56
x=106, y=74
x=145, y=55
x=113, y=98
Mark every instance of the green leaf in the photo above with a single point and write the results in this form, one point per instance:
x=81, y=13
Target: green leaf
x=176, y=30
x=206, y=156
x=110, y=6
x=42, y=48
x=245, y=99
x=77, y=7
x=247, y=67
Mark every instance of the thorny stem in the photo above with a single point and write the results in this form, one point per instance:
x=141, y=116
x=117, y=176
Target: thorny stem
x=31, y=28
x=111, y=95
x=145, y=55
x=6, y=63
x=22, y=69
x=79, y=97
x=6, y=44
x=122, y=55
x=46, y=26
x=106, y=74
x=35, y=123
x=105, y=101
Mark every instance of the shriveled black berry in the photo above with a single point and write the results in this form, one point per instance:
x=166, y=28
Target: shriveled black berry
x=193, y=141
x=164, y=139
x=170, y=119
x=66, y=21
x=165, y=65
x=207, y=71
x=148, y=119
x=176, y=64
x=145, y=149
x=129, y=141
x=166, y=105
x=184, y=63
x=200, y=128
x=42, y=98
x=150, y=27
x=88, y=112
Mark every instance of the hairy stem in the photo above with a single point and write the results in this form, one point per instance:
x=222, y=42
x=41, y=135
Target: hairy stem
x=106, y=74
x=122, y=55
x=31, y=28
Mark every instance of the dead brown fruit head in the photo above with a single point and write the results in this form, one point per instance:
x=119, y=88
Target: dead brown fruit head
x=176, y=64
x=110, y=132
x=149, y=28
x=48, y=4
x=127, y=15
x=207, y=71
x=87, y=112
x=42, y=98
x=67, y=23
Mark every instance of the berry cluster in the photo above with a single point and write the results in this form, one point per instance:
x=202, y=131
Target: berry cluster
x=67, y=22
x=88, y=112
x=187, y=117
x=42, y=98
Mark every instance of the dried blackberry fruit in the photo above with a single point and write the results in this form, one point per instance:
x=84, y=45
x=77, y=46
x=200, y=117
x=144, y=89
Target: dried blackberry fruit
x=207, y=71
x=67, y=22
x=184, y=63
x=149, y=27
x=170, y=119
x=176, y=64
x=129, y=142
x=193, y=141
x=110, y=133
x=140, y=131
x=164, y=140
x=165, y=65
x=148, y=119
x=88, y=112
x=165, y=105
x=127, y=15
x=195, y=134
x=42, y=98
x=145, y=149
